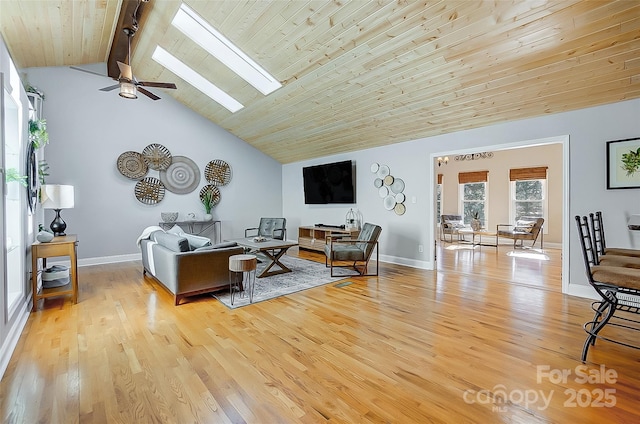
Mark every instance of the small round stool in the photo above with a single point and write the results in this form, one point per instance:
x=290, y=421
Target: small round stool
x=239, y=266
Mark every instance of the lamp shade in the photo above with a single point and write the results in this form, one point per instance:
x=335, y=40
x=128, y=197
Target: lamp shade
x=56, y=196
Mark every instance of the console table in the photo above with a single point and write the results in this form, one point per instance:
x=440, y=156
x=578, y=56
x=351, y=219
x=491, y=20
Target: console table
x=314, y=238
x=195, y=227
x=59, y=246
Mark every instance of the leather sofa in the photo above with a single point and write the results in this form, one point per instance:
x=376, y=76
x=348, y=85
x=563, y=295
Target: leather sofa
x=183, y=270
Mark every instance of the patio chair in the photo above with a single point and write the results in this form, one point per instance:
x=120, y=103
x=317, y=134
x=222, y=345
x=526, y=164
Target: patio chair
x=356, y=252
x=450, y=224
x=526, y=228
x=618, y=288
x=597, y=234
x=275, y=228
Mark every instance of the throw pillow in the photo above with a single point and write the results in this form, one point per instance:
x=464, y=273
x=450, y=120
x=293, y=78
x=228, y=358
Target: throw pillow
x=176, y=229
x=523, y=226
x=171, y=241
x=196, y=241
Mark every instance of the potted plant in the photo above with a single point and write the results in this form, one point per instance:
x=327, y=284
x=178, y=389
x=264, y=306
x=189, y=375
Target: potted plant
x=208, y=203
x=38, y=134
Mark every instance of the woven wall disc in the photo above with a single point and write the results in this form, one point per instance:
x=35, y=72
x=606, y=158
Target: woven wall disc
x=215, y=191
x=157, y=156
x=132, y=165
x=388, y=180
x=149, y=190
x=218, y=172
x=182, y=176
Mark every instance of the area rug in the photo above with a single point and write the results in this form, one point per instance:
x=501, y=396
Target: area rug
x=305, y=275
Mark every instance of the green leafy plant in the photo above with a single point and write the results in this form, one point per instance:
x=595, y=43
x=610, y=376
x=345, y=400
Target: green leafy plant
x=631, y=162
x=207, y=201
x=13, y=175
x=43, y=171
x=38, y=134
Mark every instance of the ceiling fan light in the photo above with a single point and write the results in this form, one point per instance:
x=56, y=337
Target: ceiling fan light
x=128, y=90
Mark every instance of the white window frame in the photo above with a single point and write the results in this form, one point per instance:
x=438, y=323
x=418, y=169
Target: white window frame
x=486, y=201
x=545, y=201
x=440, y=202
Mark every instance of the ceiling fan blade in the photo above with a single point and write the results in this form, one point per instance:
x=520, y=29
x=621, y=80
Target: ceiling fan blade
x=111, y=87
x=88, y=71
x=148, y=93
x=157, y=84
x=125, y=71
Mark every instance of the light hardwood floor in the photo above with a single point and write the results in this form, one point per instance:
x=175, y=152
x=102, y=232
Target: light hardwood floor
x=480, y=340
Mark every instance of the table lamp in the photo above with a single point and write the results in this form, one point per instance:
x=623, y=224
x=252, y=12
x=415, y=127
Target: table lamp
x=57, y=197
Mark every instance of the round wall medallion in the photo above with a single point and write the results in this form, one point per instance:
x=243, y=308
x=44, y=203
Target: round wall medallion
x=374, y=167
x=389, y=202
x=400, y=198
x=182, y=176
x=132, y=165
x=397, y=186
x=383, y=171
x=383, y=191
x=377, y=183
x=149, y=190
x=157, y=156
x=218, y=172
x=388, y=180
x=399, y=209
x=215, y=193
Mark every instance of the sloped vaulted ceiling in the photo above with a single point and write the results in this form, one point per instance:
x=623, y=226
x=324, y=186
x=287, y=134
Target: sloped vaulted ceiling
x=360, y=74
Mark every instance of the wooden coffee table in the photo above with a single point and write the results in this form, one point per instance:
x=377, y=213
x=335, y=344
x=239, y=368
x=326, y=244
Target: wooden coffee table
x=273, y=249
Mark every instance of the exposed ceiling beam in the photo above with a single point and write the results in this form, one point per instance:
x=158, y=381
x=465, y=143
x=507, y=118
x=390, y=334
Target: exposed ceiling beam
x=132, y=13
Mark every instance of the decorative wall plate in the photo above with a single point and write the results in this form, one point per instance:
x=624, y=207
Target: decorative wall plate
x=218, y=172
x=400, y=209
x=388, y=180
x=132, y=165
x=377, y=183
x=383, y=171
x=215, y=191
x=374, y=167
x=149, y=190
x=389, y=202
x=383, y=191
x=182, y=176
x=397, y=186
x=157, y=156
x=400, y=198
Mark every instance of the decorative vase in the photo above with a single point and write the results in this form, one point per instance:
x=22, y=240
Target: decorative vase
x=44, y=237
x=476, y=224
x=207, y=217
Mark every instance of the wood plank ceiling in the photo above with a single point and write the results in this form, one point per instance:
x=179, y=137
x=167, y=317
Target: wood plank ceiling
x=359, y=74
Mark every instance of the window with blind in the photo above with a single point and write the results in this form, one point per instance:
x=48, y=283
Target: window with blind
x=473, y=196
x=528, y=192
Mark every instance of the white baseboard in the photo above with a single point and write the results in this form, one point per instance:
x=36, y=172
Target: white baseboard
x=406, y=262
x=101, y=260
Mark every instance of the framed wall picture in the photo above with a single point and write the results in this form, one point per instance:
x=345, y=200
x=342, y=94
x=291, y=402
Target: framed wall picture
x=623, y=163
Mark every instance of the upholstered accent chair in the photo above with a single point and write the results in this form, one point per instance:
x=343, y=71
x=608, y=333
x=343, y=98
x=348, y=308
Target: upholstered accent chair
x=275, y=228
x=526, y=228
x=450, y=224
x=353, y=253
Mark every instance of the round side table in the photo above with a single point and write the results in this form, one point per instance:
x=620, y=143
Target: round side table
x=241, y=266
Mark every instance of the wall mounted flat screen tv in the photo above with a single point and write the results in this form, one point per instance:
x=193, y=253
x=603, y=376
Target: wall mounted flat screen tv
x=329, y=183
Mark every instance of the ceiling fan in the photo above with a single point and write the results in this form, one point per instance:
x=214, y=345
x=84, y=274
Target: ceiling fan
x=127, y=82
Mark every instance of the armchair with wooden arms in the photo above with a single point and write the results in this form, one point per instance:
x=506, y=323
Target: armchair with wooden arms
x=275, y=228
x=355, y=252
x=526, y=228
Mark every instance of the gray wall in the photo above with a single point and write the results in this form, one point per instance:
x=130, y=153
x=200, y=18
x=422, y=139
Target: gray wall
x=89, y=129
x=588, y=129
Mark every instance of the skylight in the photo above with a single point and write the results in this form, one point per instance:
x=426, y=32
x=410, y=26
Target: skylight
x=176, y=66
x=201, y=32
